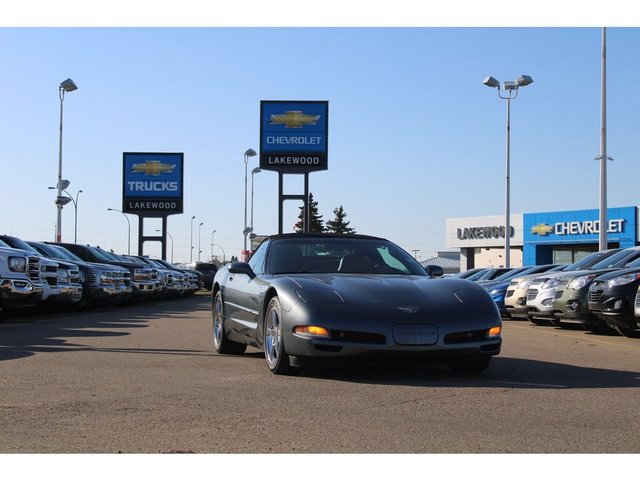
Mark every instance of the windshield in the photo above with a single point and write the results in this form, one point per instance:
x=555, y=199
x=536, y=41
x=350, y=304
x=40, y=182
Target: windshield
x=46, y=250
x=615, y=259
x=22, y=245
x=137, y=260
x=100, y=254
x=511, y=273
x=634, y=264
x=340, y=255
x=65, y=254
x=586, y=262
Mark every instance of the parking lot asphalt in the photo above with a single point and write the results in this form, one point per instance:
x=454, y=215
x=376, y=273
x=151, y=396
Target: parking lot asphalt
x=145, y=379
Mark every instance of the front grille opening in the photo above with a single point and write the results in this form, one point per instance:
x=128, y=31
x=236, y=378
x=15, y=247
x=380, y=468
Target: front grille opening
x=358, y=337
x=328, y=348
x=465, y=337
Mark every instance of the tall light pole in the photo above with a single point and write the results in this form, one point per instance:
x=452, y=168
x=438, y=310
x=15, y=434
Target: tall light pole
x=171, y=243
x=511, y=89
x=602, y=238
x=75, y=214
x=67, y=86
x=129, y=225
x=199, y=236
x=212, y=245
x=253, y=172
x=191, y=251
x=247, y=154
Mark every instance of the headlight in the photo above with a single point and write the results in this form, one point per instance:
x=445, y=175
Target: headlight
x=18, y=264
x=63, y=275
x=524, y=284
x=83, y=276
x=497, y=292
x=553, y=283
x=581, y=282
x=623, y=279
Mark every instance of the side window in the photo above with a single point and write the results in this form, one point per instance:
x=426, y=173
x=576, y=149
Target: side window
x=257, y=259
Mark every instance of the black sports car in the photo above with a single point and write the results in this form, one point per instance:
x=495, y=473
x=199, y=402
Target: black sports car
x=304, y=296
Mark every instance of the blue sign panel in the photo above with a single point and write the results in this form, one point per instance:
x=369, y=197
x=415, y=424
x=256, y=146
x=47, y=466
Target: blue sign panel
x=578, y=227
x=152, y=183
x=293, y=135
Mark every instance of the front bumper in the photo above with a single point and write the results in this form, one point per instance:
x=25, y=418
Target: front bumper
x=615, y=306
x=572, y=306
x=431, y=335
x=19, y=293
x=144, y=288
x=69, y=293
x=541, y=306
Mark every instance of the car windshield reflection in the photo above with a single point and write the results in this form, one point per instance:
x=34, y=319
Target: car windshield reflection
x=340, y=256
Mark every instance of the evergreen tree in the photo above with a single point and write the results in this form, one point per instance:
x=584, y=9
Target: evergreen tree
x=338, y=224
x=316, y=223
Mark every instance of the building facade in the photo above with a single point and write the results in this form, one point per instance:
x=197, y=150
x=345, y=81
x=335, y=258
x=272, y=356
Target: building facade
x=539, y=238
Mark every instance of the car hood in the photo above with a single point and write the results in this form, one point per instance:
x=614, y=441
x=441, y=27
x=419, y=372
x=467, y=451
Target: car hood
x=408, y=290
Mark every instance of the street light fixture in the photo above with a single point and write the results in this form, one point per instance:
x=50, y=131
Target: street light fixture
x=511, y=89
x=199, y=235
x=171, y=243
x=129, y=224
x=191, y=251
x=64, y=201
x=66, y=86
x=249, y=153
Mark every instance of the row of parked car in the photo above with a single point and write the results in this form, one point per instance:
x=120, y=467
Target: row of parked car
x=600, y=292
x=48, y=273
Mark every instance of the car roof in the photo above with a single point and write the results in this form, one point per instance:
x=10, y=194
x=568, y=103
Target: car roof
x=324, y=235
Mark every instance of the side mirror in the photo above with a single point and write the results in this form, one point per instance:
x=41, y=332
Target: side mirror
x=241, y=268
x=434, y=271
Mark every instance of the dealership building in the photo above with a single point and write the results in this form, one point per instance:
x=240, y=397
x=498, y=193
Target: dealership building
x=539, y=238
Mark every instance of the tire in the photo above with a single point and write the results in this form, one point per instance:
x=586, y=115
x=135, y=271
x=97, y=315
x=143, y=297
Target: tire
x=604, y=328
x=628, y=332
x=539, y=322
x=475, y=365
x=220, y=341
x=274, y=350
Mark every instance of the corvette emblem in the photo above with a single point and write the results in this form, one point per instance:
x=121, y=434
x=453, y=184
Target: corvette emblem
x=409, y=309
x=293, y=119
x=152, y=167
x=542, y=229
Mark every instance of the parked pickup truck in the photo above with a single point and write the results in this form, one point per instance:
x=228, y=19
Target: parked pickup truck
x=141, y=281
x=60, y=280
x=20, y=282
x=101, y=283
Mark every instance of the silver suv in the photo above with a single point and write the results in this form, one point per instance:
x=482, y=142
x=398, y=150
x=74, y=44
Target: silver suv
x=542, y=289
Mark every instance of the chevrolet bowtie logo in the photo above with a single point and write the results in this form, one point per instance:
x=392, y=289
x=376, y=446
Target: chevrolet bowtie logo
x=542, y=229
x=293, y=119
x=152, y=167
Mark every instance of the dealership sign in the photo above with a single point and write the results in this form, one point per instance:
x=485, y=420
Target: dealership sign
x=152, y=183
x=293, y=135
x=581, y=226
